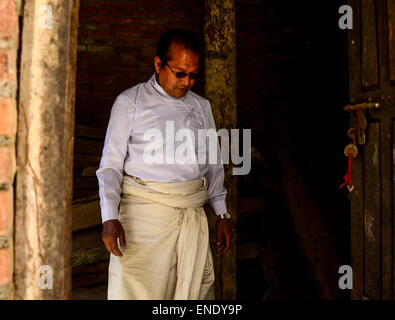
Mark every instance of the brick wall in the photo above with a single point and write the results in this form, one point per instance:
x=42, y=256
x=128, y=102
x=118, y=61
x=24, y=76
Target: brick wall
x=8, y=116
x=116, y=47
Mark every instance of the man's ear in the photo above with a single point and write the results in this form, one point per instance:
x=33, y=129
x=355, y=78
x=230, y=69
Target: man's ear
x=157, y=64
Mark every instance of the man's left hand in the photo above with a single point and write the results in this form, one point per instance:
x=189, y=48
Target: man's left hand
x=224, y=235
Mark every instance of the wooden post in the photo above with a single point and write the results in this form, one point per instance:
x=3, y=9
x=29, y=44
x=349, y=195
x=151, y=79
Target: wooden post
x=220, y=89
x=45, y=149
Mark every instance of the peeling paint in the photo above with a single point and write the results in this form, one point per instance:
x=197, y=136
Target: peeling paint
x=375, y=157
x=369, y=229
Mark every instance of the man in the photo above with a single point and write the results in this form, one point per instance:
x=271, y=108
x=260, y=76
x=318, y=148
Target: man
x=154, y=224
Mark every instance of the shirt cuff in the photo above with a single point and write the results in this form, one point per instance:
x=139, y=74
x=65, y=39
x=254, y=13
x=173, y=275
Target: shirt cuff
x=219, y=206
x=109, y=214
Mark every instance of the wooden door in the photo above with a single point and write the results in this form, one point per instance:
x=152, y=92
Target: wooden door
x=372, y=76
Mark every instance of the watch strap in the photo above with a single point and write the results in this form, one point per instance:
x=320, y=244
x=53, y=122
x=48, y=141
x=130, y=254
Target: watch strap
x=223, y=216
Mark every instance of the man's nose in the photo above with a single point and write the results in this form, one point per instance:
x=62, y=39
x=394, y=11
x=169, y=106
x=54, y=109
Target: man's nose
x=186, y=81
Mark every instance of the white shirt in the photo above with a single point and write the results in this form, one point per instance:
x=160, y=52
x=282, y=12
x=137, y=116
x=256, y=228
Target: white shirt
x=145, y=106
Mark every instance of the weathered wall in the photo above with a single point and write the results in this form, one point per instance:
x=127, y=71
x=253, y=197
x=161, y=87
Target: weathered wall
x=220, y=88
x=117, y=45
x=9, y=43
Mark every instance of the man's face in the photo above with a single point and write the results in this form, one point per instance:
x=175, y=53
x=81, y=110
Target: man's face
x=182, y=61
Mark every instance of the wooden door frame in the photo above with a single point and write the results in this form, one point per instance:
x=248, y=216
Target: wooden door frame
x=45, y=151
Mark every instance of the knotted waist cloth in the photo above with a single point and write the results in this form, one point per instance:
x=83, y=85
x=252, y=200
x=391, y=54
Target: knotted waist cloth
x=167, y=254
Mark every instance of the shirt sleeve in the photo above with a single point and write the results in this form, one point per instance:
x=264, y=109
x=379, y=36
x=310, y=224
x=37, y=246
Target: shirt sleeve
x=110, y=172
x=215, y=174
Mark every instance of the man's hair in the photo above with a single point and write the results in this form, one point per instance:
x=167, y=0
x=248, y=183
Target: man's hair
x=182, y=36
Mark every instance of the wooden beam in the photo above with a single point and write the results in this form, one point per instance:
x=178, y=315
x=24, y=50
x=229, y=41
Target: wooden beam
x=45, y=149
x=314, y=239
x=84, y=161
x=88, y=146
x=89, y=132
x=86, y=215
x=89, y=171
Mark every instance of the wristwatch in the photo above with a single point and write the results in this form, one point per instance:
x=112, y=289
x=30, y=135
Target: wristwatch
x=225, y=215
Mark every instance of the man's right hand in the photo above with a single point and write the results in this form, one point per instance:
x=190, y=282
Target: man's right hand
x=112, y=230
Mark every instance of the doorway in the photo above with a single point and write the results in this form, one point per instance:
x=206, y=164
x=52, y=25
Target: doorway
x=292, y=86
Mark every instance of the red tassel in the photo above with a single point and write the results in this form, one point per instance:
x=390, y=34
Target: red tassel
x=347, y=176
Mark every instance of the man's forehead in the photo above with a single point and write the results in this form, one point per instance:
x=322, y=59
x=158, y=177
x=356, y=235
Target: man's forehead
x=181, y=58
x=184, y=64
x=183, y=68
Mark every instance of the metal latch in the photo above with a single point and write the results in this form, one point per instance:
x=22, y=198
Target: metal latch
x=360, y=109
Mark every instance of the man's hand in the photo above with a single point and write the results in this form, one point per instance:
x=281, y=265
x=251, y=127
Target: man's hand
x=224, y=235
x=112, y=230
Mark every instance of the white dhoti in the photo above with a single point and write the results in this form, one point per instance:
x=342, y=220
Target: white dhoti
x=167, y=254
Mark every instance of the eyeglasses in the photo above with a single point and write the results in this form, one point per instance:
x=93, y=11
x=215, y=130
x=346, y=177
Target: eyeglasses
x=180, y=75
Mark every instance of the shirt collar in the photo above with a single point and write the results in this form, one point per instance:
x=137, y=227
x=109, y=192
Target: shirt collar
x=158, y=87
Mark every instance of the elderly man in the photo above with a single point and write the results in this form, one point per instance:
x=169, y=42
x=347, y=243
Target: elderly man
x=154, y=224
